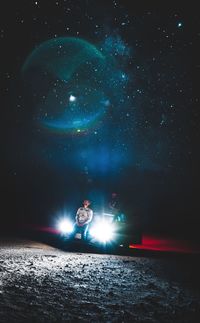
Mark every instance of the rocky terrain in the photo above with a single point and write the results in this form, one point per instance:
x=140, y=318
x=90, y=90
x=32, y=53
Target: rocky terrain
x=39, y=283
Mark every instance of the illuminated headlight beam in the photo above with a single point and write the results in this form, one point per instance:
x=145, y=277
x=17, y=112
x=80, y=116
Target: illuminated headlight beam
x=103, y=232
x=65, y=226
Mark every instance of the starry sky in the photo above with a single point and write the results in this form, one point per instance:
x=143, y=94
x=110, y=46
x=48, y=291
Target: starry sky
x=100, y=96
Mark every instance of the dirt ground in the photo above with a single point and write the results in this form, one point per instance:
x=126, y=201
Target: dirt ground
x=39, y=283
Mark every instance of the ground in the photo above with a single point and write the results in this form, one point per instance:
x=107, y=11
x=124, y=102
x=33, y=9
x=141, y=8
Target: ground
x=40, y=283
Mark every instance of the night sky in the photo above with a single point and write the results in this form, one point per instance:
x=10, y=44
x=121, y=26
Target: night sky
x=100, y=96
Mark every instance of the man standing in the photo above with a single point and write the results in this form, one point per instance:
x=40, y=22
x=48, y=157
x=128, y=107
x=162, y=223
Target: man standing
x=84, y=216
x=115, y=208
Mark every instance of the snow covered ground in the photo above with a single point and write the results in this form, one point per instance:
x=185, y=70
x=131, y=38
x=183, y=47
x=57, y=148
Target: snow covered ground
x=39, y=283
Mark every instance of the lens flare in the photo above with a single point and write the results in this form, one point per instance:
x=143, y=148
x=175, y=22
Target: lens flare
x=65, y=226
x=102, y=231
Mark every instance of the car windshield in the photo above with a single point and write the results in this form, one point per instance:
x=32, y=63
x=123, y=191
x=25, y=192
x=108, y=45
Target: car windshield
x=109, y=217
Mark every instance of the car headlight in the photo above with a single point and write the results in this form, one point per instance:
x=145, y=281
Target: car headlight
x=102, y=231
x=65, y=226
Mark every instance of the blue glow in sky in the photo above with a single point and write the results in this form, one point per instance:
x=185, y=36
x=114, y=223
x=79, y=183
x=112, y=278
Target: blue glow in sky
x=85, y=104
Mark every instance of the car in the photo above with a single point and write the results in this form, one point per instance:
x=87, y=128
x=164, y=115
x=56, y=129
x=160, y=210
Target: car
x=106, y=231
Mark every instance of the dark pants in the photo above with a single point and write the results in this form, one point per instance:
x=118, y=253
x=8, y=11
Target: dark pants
x=83, y=230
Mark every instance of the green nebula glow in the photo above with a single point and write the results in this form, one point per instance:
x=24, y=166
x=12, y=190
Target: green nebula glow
x=67, y=76
x=63, y=56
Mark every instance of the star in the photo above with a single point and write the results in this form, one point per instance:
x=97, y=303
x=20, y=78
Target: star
x=72, y=98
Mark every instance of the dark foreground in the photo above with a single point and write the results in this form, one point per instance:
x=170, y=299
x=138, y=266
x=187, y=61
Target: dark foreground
x=39, y=283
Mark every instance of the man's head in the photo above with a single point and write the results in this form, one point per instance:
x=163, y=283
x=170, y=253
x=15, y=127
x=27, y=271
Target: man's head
x=86, y=203
x=114, y=195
